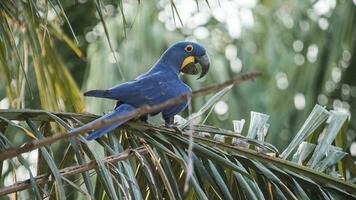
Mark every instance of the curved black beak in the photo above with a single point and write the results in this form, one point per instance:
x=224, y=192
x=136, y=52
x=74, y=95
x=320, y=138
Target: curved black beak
x=204, y=63
x=189, y=67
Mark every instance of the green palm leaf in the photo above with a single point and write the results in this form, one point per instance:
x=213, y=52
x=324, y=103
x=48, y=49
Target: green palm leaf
x=153, y=165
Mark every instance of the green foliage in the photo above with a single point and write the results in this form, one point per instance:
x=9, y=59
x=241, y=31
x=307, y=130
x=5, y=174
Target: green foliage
x=50, y=49
x=139, y=161
x=304, y=52
x=28, y=53
x=301, y=62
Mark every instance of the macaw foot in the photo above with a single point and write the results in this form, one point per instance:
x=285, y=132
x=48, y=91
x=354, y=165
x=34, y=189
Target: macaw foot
x=175, y=127
x=169, y=123
x=144, y=119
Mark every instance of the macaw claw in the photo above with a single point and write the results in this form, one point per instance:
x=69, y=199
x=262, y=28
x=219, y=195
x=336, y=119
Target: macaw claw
x=175, y=127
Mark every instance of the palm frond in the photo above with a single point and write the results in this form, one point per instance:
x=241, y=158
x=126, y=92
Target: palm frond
x=28, y=53
x=145, y=161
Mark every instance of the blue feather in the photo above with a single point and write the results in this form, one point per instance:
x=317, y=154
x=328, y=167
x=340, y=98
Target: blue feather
x=156, y=86
x=121, y=110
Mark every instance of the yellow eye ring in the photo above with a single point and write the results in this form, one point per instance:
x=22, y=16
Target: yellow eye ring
x=188, y=48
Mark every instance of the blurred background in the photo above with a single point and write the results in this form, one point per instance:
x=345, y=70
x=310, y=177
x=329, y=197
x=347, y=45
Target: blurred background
x=51, y=52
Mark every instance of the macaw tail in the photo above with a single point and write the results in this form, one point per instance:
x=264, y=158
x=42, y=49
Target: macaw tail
x=121, y=110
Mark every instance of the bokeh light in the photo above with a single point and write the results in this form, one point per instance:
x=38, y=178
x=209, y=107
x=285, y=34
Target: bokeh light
x=299, y=101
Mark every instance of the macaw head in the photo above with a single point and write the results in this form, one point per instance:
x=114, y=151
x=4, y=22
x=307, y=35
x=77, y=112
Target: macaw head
x=183, y=57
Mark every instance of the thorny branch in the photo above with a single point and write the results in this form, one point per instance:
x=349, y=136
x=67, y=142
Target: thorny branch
x=35, y=144
x=70, y=171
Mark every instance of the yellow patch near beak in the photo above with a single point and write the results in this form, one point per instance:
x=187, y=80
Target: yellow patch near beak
x=187, y=60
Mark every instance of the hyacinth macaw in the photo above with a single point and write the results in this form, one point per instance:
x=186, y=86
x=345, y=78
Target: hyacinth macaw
x=159, y=84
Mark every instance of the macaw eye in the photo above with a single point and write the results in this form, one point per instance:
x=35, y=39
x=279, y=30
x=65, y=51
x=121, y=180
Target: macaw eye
x=188, y=48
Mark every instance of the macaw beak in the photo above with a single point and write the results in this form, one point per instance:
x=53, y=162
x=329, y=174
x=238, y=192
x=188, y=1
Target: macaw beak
x=188, y=66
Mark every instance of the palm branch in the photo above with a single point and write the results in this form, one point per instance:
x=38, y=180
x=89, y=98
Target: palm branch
x=140, y=160
x=29, y=61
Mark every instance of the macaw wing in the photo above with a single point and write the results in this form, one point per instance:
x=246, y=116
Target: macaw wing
x=117, y=92
x=144, y=90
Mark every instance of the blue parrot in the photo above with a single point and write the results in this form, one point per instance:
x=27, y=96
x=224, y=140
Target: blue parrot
x=156, y=86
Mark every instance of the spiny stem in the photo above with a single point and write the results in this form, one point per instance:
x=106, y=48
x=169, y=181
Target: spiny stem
x=35, y=144
x=70, y=171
